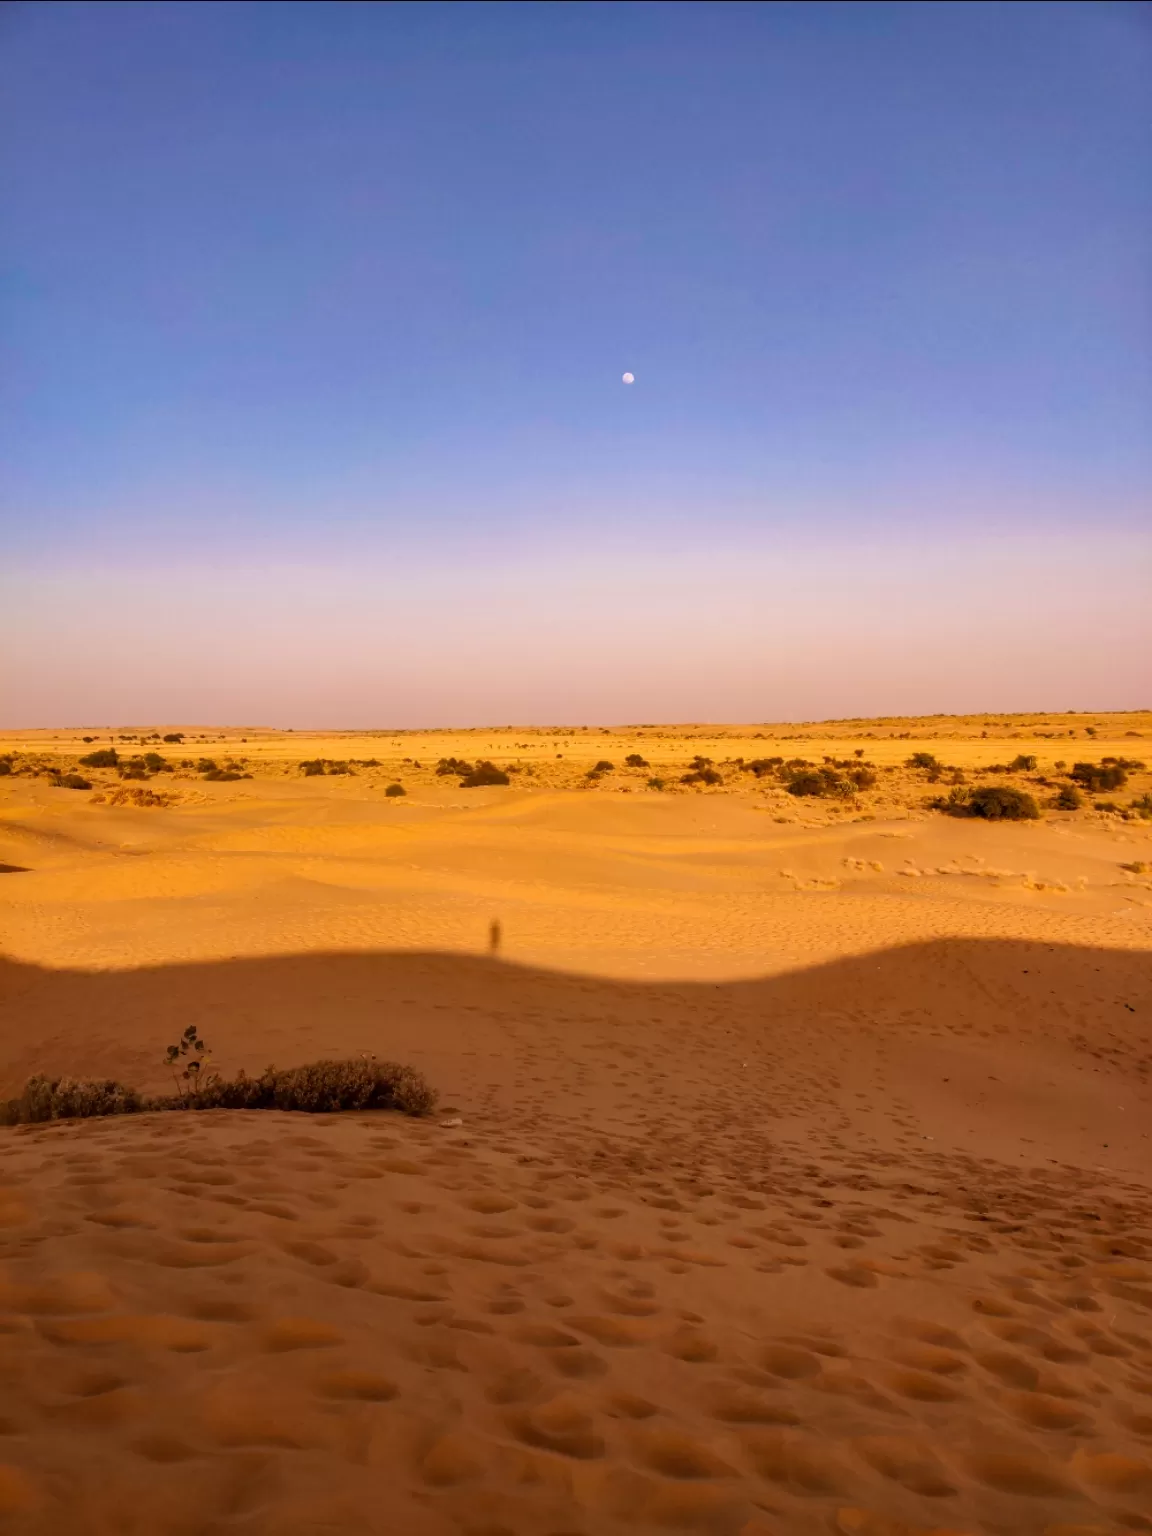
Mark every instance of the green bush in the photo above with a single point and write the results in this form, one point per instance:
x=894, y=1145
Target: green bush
x=394, y=791
x=1069, y=799
x=634, y=760
x=991, y=802
x=103, y=757
x=763, y=765
x=483, y=774
x=1097, y=776
x=825, y=782
x=702, y=775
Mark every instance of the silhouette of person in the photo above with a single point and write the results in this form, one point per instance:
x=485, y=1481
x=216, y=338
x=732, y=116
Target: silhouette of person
x=494, y=936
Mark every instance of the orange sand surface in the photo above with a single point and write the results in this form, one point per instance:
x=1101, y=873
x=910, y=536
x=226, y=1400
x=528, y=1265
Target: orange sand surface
x=792, y=1170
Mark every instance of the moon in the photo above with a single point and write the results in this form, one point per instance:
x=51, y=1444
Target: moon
x=629, y=378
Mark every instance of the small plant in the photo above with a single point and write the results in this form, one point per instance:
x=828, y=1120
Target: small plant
x=73, y=781
x=103, y=757
x=156, y=764
x=1142, y=807
x=1069, y=799
x=69, y=1098
x=193, y=1052
x=483, y=774
x=763, y=765
x=656, y=783
x=1137, y=867
x=224, y=775
x=1024, y=762
x=922, y=760
x=604, y=766
x=634, y=760
x=453, y=765
x=394, y=791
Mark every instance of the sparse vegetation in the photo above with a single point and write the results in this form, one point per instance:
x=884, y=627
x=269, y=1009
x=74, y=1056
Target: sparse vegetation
x=922, y=760
x=1023, y=762
x=456, y=765
x=483, y=774
x=174, y=737
x=314, y=767
x=656, y=783
x=73, y=781
x=634, y=760
x=103, y=757
x=1142, y=807
x=321, y=1087
x=1097, y=776
x=990, y=802
x=604, y=766
x=703, y=775
x=1069, y=799
x=394, y=791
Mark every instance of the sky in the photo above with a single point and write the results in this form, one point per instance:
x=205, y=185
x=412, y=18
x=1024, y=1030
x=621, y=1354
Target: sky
x=314, y=317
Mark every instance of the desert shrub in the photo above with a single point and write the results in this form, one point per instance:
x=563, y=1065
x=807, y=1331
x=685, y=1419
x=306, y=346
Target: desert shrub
x=656, y=783
x=156, y=764
x=74, y=781
x=134, y=771
x=698, y=763
x=103, y=757
x=1069, y=799
x=1097, y=776
x=224, y=776
x=448, y=765
x=483, y=774
x=703, y=775
x=922, y=760
x=1131, y=763
x=862, y=778
x=991, y=802
x=1106, y=805
x=394, y=791
x=604, y=766
x=5, y=766
x=1024, y=762
x=69, y=1098
x=1143, y=807
x=1137, y=867
x=123, y=795
x=174, y=737
x=208, y=765
x=762, y=765
x=634, y=760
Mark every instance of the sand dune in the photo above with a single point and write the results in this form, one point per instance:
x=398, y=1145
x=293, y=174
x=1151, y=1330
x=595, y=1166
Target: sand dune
x=787, y=1177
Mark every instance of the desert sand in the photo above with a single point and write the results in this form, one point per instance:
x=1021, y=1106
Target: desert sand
x=792, y=1170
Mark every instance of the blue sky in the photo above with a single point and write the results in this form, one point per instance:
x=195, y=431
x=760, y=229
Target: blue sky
x=350, y=288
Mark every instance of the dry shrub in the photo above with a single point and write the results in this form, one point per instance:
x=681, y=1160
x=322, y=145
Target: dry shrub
x=484, y=773
x=990, y=802
x=69, y=1098
x=1097, y=776
x=394, y=791
x=320, y=1088
x=130, y=795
